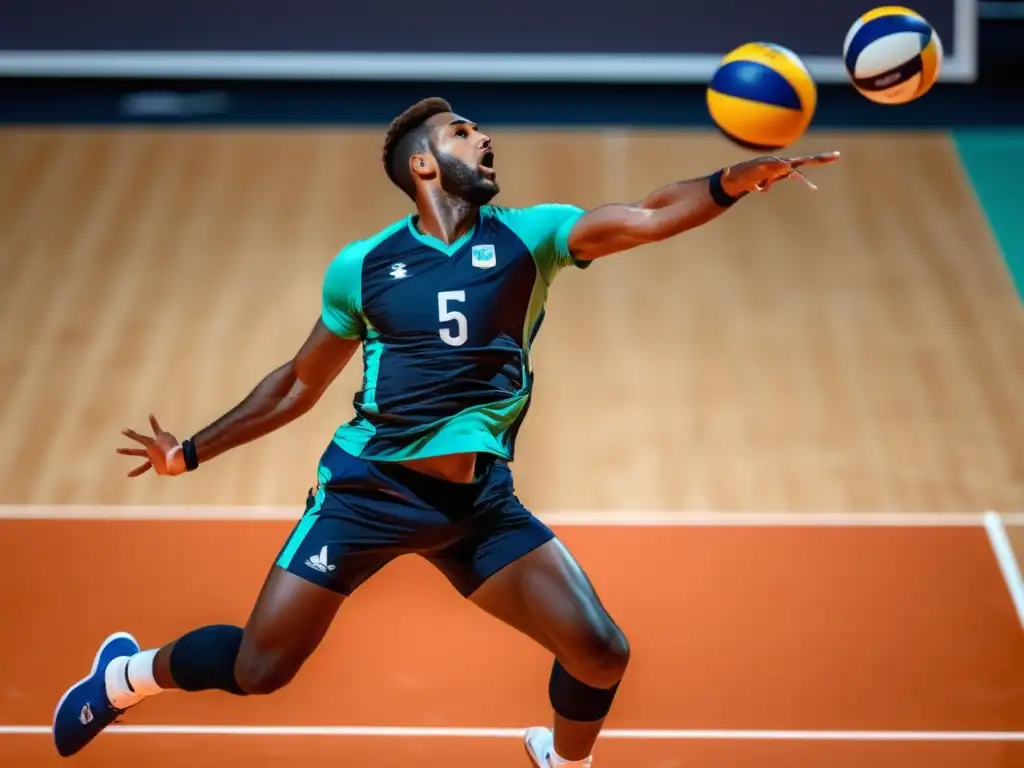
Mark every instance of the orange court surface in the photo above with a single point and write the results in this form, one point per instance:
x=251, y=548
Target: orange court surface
x=783, y=447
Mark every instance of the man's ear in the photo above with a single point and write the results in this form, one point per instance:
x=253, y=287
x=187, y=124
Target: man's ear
x=423, y=166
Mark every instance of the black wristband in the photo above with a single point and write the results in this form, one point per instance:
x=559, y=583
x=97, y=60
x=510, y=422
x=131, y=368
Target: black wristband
x=188, y=450
x=718, y=193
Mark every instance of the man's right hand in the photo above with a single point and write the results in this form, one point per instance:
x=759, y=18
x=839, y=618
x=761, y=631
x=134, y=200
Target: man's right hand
x=759, y=174
x=162, y=451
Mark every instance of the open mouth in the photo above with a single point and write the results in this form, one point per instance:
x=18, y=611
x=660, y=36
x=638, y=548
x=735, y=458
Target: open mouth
x=487, y=161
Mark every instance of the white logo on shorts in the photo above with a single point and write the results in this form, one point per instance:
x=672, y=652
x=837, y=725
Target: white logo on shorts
x=319, y=562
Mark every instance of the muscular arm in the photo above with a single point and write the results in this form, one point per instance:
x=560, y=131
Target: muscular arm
x=282, y=396
x=285, y=393
x=668, y=211
x=680, y=206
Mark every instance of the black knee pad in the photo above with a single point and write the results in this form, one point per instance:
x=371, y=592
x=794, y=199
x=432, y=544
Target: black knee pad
x=578, y=701
x=204, y=659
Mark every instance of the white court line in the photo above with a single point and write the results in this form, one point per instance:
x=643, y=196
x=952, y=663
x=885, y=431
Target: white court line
x=582, y=517
x=1007, y=561
x=517, y=733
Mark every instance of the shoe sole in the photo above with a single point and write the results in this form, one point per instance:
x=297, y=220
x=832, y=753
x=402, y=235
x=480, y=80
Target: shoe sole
x=95, y=666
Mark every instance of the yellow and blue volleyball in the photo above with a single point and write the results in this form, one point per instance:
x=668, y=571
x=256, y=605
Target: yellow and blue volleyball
x=892, y=55
x=762, y=96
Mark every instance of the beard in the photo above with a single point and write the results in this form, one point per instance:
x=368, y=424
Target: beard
x=465, y=182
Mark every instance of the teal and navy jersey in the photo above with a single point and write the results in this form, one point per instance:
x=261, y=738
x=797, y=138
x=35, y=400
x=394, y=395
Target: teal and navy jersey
x=446, y=330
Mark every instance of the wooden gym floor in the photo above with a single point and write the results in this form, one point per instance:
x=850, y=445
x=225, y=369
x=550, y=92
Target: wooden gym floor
x=770, y=441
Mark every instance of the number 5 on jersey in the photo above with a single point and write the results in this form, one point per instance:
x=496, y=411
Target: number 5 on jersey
x=446, y=315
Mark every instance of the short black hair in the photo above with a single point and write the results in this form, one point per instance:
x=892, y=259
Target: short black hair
x=405, y=137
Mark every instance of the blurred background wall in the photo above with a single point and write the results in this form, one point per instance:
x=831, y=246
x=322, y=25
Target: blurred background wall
x=564, y=63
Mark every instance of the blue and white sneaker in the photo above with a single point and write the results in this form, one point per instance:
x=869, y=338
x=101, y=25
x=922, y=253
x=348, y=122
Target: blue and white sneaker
x=85, y=710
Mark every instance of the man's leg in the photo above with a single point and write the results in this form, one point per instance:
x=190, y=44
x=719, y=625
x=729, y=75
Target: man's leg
x=290, y=618
x=511, y=565
x=324, y=560
x=547, y=596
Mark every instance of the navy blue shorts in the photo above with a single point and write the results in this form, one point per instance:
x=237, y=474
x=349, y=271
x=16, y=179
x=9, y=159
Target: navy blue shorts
x=365, y=513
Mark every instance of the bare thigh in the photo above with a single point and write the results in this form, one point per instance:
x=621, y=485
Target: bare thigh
x=290, y=618
x=547, y=596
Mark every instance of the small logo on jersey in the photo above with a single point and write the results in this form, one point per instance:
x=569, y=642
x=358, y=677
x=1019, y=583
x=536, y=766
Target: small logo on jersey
x=484, y=256
x=398, y=271
x=319, y=562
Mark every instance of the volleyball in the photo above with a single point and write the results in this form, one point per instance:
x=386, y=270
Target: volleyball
x=892, y=55
x=762, y=96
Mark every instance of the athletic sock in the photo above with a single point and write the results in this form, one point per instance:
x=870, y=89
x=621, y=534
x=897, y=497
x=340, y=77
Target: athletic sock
x=140, y=673
x=129, y=680
x=556, y=760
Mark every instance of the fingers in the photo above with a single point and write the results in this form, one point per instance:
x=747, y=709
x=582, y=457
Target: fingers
x=775, y=168
x=821, y=159
x=145, y=440
x=810, y=184
x=140, y=469
x=148, y=442
x=765, y=185
x=778, y=168
x=133, y=452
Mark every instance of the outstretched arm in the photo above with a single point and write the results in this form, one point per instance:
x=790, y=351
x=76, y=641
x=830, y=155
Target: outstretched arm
x=282, y=396
x=679, y=206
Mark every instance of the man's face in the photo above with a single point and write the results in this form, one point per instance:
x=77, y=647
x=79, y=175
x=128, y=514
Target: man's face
x=465, y=159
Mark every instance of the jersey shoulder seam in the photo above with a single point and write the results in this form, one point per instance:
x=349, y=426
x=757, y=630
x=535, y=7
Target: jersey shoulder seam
x=367, y=245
